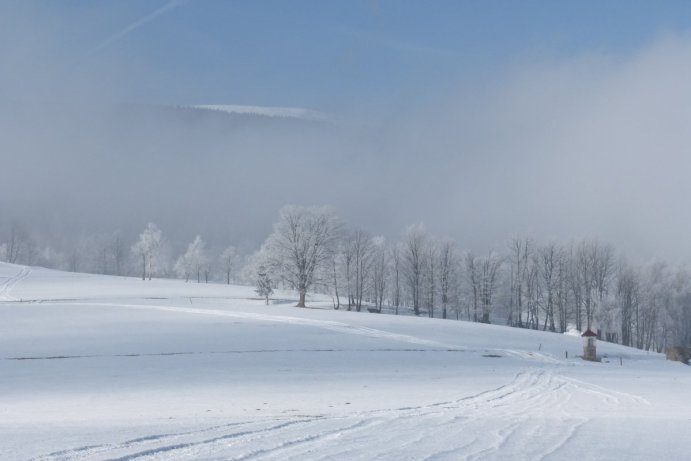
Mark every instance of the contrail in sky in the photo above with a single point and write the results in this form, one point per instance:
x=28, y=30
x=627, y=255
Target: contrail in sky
x=136, y=24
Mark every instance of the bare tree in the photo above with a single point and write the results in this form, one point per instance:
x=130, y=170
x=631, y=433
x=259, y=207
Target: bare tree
x=679, y=312
x=549, y=259
x=591, y=277
x=19, y=247
x=117, y=253
x=193, y=261
x=336, y=263
x=430, y=277
x=229, y=260
x=396, y=274
x=533, y=292
x=300, y=246
x=380, y=266
x=263, y=284
x=562, y=290
x=520, y=249
x=362, y=260
x=489, y=268
x=349, y=266
x=628, y=299
x=473, y=279
x=447, y=270
x=414, y=259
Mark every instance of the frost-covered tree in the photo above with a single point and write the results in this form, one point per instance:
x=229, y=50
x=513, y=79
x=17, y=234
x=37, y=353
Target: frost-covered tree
x=148, y=249
x=380, y=267
x=347, y=251
x=229, y=259
x=591, y=276
x=549, y=261
x=183, y=267
x=430, y=276
x=119, y=252
x=19, y=246
x=263, y=283
x=193, y=261
x=300, y=247
x=520, y=252
x=447, y=264
x=414, y=245
x=396, y=275
x=628, y=298
x=362, y=261
x=482, y=276
x=473, y=280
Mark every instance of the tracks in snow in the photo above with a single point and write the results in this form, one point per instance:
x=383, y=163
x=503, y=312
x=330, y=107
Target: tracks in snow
x=532, y=417
x=7, y=286
x=339, y=327
x=325, y=324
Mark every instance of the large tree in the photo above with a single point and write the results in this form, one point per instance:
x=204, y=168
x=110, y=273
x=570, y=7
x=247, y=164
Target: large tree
x=300, y=247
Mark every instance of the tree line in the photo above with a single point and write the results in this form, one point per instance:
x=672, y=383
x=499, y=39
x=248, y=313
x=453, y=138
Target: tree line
x=149, y=255
x=548, y=286
x=553, y=286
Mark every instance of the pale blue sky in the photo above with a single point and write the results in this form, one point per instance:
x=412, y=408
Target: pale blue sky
x=333, y=55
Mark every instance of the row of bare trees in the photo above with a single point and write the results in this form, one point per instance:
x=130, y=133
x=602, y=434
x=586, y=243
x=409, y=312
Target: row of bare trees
x=311, y=249
x=552, y=286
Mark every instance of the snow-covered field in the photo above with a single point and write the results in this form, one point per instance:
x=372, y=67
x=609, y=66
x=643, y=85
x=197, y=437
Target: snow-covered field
x=95, y=367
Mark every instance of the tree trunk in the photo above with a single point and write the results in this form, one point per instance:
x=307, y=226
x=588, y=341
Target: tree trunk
x=338, y=299
x=301, y=302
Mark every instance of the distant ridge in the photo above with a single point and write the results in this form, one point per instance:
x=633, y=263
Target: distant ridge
x=267, y=111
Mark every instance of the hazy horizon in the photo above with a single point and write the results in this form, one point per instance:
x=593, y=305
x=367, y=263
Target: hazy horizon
x=576, y=139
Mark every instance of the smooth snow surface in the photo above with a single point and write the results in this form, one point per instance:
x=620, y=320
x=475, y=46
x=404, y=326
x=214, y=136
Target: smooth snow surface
x=95, y=367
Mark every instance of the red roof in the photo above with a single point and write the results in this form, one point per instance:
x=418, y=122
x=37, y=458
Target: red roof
x=589, y=334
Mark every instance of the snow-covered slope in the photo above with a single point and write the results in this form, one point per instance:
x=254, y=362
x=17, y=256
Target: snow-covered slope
x=95, y=367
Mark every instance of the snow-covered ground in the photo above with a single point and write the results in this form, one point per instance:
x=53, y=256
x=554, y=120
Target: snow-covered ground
x=95, y=367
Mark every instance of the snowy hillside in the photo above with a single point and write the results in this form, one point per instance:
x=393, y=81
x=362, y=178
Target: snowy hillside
x=95, y=367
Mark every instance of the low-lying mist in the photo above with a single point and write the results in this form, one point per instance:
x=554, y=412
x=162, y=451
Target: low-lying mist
x=584, y=146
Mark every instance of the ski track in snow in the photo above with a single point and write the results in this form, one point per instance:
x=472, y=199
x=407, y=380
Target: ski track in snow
x=501, y=423
x=339, y=327
x=7, y=286
x=326, y=324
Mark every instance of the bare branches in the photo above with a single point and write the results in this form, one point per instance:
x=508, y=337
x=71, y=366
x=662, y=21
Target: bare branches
x=300, y=246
